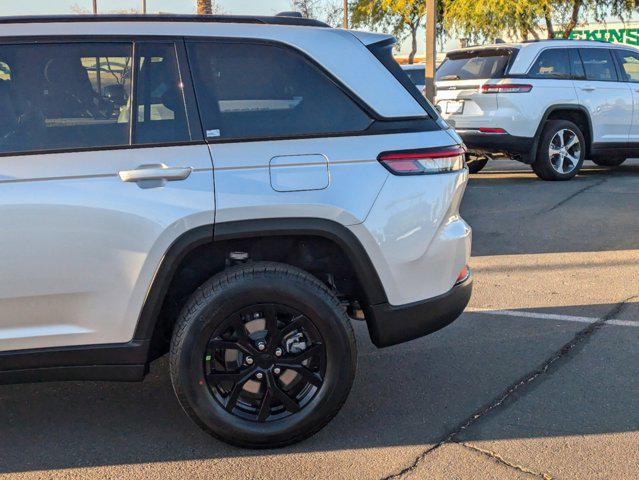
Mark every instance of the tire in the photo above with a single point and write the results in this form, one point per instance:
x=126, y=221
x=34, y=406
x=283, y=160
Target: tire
x=566, y=163
x=609, y=162
x=476, y=163
x=223, y=324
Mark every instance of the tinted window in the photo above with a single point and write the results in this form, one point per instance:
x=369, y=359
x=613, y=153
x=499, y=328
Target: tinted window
x=598, y=64
x=553, y=63
x=416, y=75
x=159, y=96
x=59, y=96
x=629, y=65
x=576, y=65
x=471, y=65
x=256, y=91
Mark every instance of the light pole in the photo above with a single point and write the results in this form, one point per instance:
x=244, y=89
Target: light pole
x=95, y=7
x=431, y=21
x=144, y=7
x=345, y=19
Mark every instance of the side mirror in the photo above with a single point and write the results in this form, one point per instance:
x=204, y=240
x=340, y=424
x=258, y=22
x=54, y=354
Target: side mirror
x=438, y=108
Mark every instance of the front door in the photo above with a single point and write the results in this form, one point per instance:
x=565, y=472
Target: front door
x=629, y=63
x=608, y=100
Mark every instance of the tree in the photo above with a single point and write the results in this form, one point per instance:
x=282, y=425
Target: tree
x=486, y=19
x=328, y=11
x=208, y=7
x=395, y=16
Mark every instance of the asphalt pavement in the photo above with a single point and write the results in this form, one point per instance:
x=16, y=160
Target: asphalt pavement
x=539, y=379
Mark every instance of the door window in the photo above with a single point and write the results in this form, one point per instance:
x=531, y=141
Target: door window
x=552, y=63
x=629, y=62
x=64, y=96
x=161, y=116
x=598, y=64
x=248, y=91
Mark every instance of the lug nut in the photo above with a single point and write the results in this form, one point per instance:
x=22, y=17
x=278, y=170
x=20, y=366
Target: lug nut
x=259, y=375
x=249, y=360
x=276, y=371
x=278, y=352
x=261, y=346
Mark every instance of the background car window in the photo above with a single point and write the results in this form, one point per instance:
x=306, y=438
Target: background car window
x=416, y=75
x=576, y=65
x=61, y=96
x=474, y=64
x=629, y=65
x=160, y=102
x=552, y=63
x=261, y=91
x=598, y=64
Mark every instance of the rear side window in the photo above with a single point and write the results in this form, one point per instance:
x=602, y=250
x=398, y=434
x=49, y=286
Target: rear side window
x=249, y=91
x=629, y=62
x=552, y=63
x=474, y=65
x=160, y=103
x=598, y=64
x=62, y=96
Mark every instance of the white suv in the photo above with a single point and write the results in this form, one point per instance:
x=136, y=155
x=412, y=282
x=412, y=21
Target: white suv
x=547, y=103
x=232, y=190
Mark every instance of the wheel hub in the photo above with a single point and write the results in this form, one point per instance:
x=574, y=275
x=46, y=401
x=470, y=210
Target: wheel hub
x=265, y=362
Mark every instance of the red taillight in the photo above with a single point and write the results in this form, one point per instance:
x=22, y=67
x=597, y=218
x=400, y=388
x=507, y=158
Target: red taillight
x=492, y=130
x=463, y=275
x=424, y=161
x=506, y=88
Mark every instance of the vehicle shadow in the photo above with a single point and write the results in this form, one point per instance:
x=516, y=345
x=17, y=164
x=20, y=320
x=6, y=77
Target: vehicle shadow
x=413, y=394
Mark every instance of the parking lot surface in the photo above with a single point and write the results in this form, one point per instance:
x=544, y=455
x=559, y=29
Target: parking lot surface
x=539, y=379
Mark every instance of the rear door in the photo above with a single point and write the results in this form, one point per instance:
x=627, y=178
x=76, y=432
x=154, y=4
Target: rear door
x=608, y=100
x=99, y=175
x=460, y=77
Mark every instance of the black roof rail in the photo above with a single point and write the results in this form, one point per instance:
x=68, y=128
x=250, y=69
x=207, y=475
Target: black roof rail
x=283, y=19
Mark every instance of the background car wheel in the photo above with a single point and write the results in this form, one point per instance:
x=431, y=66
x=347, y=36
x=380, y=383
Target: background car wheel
x=609, y=162
x=476, y=162
x=263, y=355
x=561, y=152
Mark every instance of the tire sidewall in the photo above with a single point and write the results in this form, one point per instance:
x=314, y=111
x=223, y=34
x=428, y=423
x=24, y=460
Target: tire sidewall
x=543, y=166
x=244, y=292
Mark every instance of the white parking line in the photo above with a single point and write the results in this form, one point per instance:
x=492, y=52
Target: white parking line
x=553, y=316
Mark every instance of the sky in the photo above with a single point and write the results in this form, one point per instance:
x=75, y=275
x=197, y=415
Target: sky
x=239, y=7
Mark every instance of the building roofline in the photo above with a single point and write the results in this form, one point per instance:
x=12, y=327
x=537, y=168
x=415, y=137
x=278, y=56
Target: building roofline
x=89, y=18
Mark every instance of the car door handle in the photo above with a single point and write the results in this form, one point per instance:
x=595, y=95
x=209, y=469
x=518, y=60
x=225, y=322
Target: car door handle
x=588, y=89
x=155, y=172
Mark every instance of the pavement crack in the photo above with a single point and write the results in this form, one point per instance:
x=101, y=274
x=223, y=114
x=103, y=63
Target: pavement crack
x=580, y=338
x=573, y=195
x=499, y=459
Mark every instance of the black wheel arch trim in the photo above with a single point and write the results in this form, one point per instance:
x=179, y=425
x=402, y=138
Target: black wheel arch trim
x=129, y=361
x=563, y=106
x=366, y=274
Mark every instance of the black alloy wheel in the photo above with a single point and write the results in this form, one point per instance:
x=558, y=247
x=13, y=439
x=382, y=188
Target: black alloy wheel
x=265, y=362
x=263, y=355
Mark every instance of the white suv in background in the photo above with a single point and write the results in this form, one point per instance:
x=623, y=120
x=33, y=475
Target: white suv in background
x=546, y=103
x=231, y=190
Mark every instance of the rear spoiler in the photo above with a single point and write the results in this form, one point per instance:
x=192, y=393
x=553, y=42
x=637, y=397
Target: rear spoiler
x=369, y=39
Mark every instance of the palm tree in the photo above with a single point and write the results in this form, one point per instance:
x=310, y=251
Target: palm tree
x=204, y=7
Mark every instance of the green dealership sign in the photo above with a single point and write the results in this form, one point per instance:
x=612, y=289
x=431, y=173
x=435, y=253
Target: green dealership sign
x=629, y=36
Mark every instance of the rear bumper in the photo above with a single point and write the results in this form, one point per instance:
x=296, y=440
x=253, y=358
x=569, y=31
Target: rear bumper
x=497, y=143
x=389, y=325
